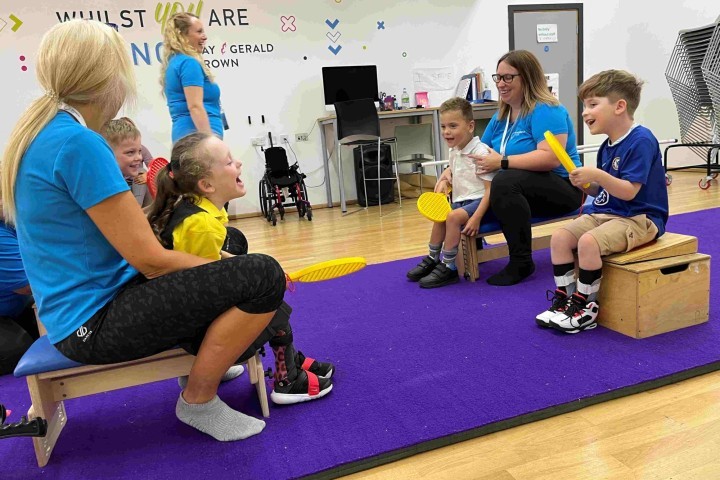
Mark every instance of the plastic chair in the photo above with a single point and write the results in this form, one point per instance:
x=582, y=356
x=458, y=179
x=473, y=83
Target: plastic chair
x=693, y=74
x=155, y=166
x=358, y=125
x=415, y=141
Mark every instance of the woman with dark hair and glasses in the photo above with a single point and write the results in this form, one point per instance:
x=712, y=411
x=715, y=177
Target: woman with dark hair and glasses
x=531, y=181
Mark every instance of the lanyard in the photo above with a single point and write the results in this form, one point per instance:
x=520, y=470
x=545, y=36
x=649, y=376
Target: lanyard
x=74, y=113
x=504, y=141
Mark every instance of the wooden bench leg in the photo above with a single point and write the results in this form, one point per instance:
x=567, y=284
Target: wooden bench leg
x=470, y=258
x=257, y=377
x=45, y=406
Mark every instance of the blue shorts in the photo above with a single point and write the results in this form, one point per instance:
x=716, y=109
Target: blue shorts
x=470, y=206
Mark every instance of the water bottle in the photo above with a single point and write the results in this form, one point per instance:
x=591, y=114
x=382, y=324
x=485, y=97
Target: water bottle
x=405, y=99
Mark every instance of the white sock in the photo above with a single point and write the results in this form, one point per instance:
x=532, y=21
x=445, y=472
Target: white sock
x=218, y=420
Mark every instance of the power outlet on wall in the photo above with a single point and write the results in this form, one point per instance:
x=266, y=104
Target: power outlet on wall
x=284, y=139
x=258, y=141
x=301, y=137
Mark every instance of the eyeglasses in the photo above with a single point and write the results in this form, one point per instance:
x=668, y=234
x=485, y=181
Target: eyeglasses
x=507, y=78
x=114, y=26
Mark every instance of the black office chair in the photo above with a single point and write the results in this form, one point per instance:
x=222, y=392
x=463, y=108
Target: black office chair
x=358, y=125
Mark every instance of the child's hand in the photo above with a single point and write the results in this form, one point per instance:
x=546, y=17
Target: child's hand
x=442, y=186
x=141, y=179
x=583, y=175
x=472, y=226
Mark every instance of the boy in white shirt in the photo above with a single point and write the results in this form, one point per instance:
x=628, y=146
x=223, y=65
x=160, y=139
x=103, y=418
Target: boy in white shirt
x=470, y=195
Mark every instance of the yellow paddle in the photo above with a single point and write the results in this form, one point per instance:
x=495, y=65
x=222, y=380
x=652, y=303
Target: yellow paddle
x=560, y=153
x=434, y=206
x=328, y=270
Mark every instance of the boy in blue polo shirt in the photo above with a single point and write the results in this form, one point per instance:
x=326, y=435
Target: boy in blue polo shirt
x=630, y=207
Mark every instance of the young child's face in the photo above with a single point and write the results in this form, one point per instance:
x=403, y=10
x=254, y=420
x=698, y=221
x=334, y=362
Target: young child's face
x=128, y=154
x=225, y=172
x=598, y=114
x=456, y=130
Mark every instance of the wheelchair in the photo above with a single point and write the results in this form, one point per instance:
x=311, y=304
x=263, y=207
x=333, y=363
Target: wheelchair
x=282, y=186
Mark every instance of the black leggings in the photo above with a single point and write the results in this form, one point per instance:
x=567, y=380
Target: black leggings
x=150, y=316
x=518, y=195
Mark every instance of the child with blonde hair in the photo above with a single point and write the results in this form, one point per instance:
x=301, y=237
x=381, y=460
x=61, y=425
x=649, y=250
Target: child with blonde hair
x=126, y=142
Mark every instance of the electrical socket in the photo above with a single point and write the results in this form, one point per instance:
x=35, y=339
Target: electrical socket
x=301, y=137
x=258, y=141
x=284, y=139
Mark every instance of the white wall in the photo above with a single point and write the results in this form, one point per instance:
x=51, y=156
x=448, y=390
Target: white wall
x=636, y=35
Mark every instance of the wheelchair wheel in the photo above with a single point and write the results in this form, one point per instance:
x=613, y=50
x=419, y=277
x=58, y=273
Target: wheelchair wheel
x=266, y=202
x=263, y=200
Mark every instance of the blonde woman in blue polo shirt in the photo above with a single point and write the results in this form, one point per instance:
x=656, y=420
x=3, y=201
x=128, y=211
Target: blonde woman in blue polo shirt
x=192, y=95
x=105, y=288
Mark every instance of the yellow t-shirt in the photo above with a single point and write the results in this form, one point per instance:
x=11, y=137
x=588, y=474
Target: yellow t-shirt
x=203, y=233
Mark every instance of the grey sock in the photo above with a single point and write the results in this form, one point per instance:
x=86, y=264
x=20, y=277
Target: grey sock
x=434, y=251
x=233, y=372
x=218, y=420
x=448, y=258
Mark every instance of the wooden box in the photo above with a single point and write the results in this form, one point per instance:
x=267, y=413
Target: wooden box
x=650, y=297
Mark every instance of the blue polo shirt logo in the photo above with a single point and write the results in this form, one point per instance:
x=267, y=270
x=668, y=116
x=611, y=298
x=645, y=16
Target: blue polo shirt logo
x=616, y=163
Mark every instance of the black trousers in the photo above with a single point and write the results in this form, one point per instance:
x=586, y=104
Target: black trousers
x=518, y=195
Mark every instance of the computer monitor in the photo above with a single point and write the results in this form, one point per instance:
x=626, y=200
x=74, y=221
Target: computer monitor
x=349, y=83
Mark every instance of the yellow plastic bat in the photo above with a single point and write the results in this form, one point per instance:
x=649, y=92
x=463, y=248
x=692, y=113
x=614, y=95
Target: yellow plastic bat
x=329, y=269
x=434, y=206
x=561, y=154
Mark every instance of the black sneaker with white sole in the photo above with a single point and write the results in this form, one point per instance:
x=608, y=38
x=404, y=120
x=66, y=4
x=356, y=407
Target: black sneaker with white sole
x=306, y=386
x=321, y=369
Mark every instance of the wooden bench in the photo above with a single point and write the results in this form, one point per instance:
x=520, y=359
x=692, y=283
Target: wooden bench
x=52, y=378
x=471, y=252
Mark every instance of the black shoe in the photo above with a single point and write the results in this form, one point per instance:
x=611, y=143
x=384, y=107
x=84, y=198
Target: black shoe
x=321, y=369
x=422, y=269
x=304, y=388
x=439, y=277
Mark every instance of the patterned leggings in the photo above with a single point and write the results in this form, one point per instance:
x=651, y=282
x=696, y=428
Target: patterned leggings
x=150, y=316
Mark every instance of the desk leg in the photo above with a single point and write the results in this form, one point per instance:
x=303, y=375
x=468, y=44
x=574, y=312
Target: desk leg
x=338, y=155
x=326, y=166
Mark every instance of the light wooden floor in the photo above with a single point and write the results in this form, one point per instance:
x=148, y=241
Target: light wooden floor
x=668, y=433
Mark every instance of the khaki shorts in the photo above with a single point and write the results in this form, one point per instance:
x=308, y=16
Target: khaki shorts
x=614, y=233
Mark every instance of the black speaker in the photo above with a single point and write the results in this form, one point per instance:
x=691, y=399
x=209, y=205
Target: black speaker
x=387, y=190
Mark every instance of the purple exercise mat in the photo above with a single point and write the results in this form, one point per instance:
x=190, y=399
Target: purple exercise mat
x=415, y=369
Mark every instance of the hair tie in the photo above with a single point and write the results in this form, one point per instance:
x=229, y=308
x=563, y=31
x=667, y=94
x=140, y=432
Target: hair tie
x=171, y=175
x=51, y=94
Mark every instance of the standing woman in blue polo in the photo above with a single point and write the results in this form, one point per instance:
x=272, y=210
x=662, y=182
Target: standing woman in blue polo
x=193, y=97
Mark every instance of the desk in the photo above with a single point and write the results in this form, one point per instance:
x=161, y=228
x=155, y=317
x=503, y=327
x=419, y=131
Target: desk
x=480, y=111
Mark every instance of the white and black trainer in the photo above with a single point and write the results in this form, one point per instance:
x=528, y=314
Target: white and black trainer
x=559, y=301
x=580, y=315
